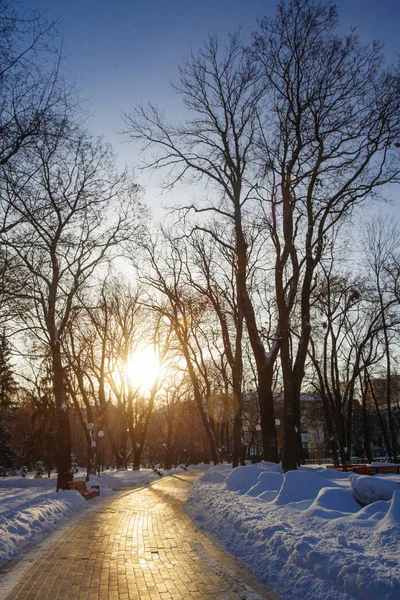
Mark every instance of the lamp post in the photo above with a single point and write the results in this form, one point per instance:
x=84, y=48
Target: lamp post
x=278, y=434
x=89, y=428
x=100, y=435
x=258, y=431
x=245, y=429
x=164, y=453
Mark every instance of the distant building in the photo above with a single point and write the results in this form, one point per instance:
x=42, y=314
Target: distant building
x=314, y=437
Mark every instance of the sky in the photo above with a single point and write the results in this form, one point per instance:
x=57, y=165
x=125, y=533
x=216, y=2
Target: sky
x=121, y=52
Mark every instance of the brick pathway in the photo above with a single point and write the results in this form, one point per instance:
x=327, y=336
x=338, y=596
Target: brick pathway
x=140, y=545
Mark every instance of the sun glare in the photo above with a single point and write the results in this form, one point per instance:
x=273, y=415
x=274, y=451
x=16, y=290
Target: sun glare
x=143, y=368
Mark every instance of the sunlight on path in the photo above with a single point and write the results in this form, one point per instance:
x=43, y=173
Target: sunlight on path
x=139, y=545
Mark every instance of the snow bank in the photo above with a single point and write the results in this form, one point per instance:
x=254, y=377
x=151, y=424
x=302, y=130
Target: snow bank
x=301, y=485
x=242, y=478
x=267, y=483
x=122, y=479
x=367, y=489
x=27, y=516
x=313, y=541
x=331, y=503
x=269, y=466
x=391, y=521
x=214, y=477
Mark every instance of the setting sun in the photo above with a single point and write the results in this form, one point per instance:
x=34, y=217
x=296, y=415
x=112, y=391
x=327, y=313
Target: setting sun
x=142, y=368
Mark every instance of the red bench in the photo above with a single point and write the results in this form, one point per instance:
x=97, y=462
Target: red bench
x=80, y=486
x=368, y=469
x=384, y=469
x=364, y=470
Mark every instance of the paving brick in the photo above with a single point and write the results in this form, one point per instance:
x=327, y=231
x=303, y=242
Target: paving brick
x=136, y=546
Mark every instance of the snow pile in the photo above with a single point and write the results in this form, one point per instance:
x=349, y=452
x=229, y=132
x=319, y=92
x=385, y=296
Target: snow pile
x=28, y=513
x=301, y=485
x=267, y=485
x=217, y=474
x=313, y=540
x=391, y=521
x=122, y=479
x=242, y=478
x=372, y=489
x=332, y=503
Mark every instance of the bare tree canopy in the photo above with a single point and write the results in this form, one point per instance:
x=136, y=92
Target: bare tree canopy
x=287, y=136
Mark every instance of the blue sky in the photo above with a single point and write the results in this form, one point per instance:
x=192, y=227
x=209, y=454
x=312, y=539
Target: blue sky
x=120, y=52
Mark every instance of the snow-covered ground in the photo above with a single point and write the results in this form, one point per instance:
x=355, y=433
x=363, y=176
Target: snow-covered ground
x=305, y=534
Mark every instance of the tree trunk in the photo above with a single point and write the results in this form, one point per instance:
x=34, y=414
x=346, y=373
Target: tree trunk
x=137, y=456
x=330, y=429
x=199, y=403
x=263, y=361
x=367, y=437
x=381, y=423
x=63, y=440
x=237, y=421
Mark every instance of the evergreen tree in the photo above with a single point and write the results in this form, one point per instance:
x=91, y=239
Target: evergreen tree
x=7, y=455
x=8, y=389
x=8, y=386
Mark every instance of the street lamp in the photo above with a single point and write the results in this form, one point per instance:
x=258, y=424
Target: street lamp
x=164, y=453
x=278, y=434
x=100, y=435
x=89, y=428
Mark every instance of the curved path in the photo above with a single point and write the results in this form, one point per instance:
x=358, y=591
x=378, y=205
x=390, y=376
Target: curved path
x=139, y=545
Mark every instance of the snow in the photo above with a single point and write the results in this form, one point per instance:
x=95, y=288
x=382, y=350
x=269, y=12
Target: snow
x=28, y=513
x=367, y=489
x=305, y=534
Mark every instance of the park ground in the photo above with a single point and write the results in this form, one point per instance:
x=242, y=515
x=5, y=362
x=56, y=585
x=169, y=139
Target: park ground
x=307, y=535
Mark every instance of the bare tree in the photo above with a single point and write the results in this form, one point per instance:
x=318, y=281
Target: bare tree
x=216, y=148
x=34, y=100
x=163, y=271
x=328, y=141
x=308, y=123
x=382, y=248
x=75, y=211
x=211, y=271
x=346, y=343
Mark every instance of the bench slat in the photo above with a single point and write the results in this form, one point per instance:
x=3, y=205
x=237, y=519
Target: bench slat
x=80, y=486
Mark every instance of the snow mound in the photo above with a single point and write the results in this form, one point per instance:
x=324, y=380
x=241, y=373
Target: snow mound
x=122, y=479
x=333, y=549
x=23, y=524
x=301, y=485
x=372, y=512
x=392, y=519
x=266, y=482
x=270, y=466
x=332, y=474
x=48, y=483
x=242, y=479
x=212, y=476
x=367, y=489
x=331, y=503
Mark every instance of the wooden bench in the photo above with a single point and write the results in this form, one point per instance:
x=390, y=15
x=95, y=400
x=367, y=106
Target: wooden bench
x=389, y=469
x=368, y=469
x=364, y=470
x=80, y=486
